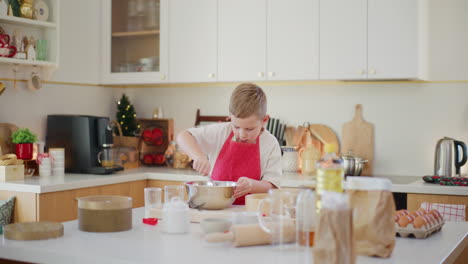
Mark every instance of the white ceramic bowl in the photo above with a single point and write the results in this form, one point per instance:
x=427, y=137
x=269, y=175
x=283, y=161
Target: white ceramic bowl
x=215, y=225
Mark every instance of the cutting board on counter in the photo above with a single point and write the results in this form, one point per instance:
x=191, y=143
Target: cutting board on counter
x=358, y=136
x=324, y=135
x=6, y=130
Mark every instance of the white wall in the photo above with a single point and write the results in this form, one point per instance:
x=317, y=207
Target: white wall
x=79, y=63
x=80, y=35
x=26, y=108
x=444, y=39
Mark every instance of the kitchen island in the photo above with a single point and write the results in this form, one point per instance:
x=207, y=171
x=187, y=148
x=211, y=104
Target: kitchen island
x=53, y=198
x=148, y=244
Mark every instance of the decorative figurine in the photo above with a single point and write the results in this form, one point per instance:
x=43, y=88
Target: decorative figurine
x=30, y=49
x=41, y=10
x=26, y=9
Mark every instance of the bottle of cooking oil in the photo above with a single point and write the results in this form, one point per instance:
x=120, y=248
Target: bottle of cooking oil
x=330, y=173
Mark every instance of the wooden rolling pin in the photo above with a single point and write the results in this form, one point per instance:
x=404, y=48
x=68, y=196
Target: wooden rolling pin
x=252, y=235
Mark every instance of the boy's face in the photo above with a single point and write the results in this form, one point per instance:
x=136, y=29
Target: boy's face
x=246, y=130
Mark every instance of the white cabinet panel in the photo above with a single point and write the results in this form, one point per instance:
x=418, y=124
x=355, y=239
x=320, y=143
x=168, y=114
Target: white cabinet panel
x=292, y=44
x=392, y=40
x=343, y=39
x=241, y=40
x=193, y=40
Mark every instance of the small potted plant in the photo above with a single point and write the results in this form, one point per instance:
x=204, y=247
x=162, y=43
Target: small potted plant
x=24, y=139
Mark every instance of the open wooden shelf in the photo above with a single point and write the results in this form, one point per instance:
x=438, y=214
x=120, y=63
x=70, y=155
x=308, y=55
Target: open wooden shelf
x=27, y=21
x=135, y=33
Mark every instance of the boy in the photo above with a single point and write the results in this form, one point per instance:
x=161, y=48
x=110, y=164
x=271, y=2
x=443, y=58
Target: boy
x=241, y=150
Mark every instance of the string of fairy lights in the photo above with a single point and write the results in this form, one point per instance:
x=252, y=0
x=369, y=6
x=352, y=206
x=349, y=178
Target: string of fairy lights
x=123, y=116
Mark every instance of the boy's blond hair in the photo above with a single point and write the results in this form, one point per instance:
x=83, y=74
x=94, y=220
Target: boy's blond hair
x=248, y=99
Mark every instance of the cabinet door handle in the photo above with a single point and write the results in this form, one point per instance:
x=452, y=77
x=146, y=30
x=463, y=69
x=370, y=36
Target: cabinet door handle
x=211, y=75
x=372, y=71
x=163, y=76
x=272, y=74
x=260, y=74
x=362, y=72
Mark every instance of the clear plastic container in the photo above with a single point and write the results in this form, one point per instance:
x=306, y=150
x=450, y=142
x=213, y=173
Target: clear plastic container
x=309, y=156
x=330, y=173
x=104, y=213
x=306, y=218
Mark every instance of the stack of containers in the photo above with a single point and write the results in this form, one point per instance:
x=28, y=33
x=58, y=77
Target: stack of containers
x=58, y=163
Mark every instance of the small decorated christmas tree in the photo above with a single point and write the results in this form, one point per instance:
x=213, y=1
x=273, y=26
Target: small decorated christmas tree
x=126, y=116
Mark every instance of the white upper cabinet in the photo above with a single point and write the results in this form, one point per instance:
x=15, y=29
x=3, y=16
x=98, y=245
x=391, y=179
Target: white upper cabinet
x=268, y=40
x=293, y=39
x=375, y=39
x=135, y=41
x=193, y=40
x=241, y=40
x=343, y=39
x=393, y=39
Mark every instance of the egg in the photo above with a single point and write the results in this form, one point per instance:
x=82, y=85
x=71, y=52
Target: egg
x=437, y=215
x=405, y=220
x=401, y=213
x=430, y=220
x=422, y=210
x=419, y=222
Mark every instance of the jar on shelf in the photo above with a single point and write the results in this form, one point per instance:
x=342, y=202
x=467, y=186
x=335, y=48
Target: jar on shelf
x=152, y=15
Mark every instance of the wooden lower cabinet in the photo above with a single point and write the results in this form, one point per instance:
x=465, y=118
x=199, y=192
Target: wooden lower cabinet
x=415, y=200
x=62, y=206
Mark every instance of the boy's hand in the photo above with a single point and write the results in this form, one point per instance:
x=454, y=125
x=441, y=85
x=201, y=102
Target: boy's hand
x=244, y=186
x=202, y=165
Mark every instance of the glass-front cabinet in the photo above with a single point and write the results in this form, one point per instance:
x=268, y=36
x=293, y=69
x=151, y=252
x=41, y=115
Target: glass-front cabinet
x=135, y=43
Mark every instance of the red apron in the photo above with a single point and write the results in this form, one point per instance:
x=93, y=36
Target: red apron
x=235, y=160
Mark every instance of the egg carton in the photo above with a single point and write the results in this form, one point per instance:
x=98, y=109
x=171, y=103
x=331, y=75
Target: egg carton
x=421, y=233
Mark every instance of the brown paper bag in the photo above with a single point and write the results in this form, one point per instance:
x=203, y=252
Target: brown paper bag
x=334, y=241
x=374, y=227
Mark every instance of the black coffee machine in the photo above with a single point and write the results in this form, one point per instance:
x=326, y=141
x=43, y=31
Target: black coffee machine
x=83, y=138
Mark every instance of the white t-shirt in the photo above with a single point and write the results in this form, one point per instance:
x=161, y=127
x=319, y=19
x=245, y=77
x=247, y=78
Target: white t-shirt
x=211, y=139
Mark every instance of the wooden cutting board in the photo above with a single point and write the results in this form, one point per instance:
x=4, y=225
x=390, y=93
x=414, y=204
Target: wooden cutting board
x=358, y=136
x=6, y=130
x=324, y=135
x=33, y=230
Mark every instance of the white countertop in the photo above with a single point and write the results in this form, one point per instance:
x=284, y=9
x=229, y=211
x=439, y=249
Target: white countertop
x=147, y=244
x=404, y=184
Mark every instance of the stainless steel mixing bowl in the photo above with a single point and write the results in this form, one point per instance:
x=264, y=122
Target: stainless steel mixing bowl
x=352, y=165
x=202, y=195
